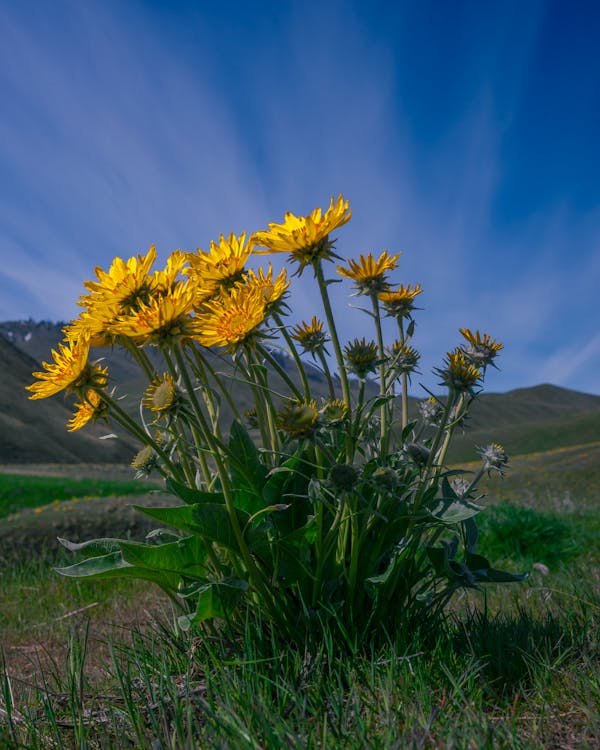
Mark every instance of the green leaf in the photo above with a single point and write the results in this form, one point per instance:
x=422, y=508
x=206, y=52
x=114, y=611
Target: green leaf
x=186, y=556
x=114, y=566
x=93, y=547
x=215, y=600
x=454, y=511
x=247, y=500
x=191, y=495
x=246, y=469
x=277, y=479
x=209, y=520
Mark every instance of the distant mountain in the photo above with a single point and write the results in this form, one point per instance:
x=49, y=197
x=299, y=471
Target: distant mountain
x=526, y=420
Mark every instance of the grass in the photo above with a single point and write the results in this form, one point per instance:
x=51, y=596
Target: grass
x=18, y=491
x=103, y=666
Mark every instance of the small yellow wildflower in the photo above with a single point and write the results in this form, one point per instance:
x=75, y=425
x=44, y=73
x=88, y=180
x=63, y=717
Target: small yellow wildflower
x=459, y=374
x=306, y=238
x=166, y=318
x=482, y=349
x=310, y=335
x=223, y=265
x=126, y=283
x=231, y=319
x=90, y=409
x=368, y=274
x=271, y=290
x=70, y=371
x=399, y=303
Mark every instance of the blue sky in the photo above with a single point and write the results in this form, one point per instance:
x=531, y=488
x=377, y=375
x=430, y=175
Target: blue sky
x=464, y=134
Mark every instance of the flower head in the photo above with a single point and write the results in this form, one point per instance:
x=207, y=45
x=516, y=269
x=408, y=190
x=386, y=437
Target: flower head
x=459, y=374
x=403, y=358
x=481, y=349
x=306, y=238
x=232, y=319
x=145, y=460
x=310, y=335
x=368, y=274
x=70, y=371
x=298, y=418
x=361, y=357
x=223, y=265
x=90, y=409
x=162, y=395
x=334, y=411
x=166, y=318
x=125, y=285
x=430, y=410
x=272, y=290
x=400, y=303
x=494, y=458
x=343, y=477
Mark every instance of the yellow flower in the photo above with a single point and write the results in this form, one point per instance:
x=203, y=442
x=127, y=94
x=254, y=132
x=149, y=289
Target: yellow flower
x=91, y=409
x=231, y=319
x=166, y=280
x=127, y=284
x=223, y=265
x=271, y=291
x=306, y=238
x=459, y=374
x=400, y=303
x=161, y=395
x=368, y=274
x=167, y=317
x=310, y=335
x=70, y=371
x=482, y=349
x=298, y=418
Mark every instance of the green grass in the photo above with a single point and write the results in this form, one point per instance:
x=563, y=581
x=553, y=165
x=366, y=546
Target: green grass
x=18, y=491
x=96, y=666
x=521, y=438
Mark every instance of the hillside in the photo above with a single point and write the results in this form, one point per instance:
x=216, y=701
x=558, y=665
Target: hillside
x=526, y=420
x=35, y=431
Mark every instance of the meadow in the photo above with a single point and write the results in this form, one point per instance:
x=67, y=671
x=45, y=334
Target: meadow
x=103, y=664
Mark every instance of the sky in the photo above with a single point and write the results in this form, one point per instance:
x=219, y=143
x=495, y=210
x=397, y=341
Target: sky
x=464, y=134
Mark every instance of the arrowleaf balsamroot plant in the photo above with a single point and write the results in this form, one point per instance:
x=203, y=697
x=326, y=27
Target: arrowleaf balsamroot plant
x=338, y=510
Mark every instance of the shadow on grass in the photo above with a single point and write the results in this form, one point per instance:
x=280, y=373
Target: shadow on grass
x=517, y=649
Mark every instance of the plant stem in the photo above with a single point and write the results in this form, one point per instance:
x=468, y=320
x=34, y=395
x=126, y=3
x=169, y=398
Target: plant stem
x=336, y=348
x=383, y=409
x=294, y=352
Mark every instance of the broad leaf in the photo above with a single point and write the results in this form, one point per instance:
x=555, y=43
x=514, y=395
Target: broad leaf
x=113, y=566
x=93, y=547
x=186, y=556
x=215, y=600
x=191, y=495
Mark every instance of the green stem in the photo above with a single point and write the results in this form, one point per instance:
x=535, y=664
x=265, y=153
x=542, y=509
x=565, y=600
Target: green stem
x=327, y=372
x=335, y=342
x=403, y=379
x=280, y=371
x=383, y=409
x=202, y=362
x=294, y=352
x=134, y=429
